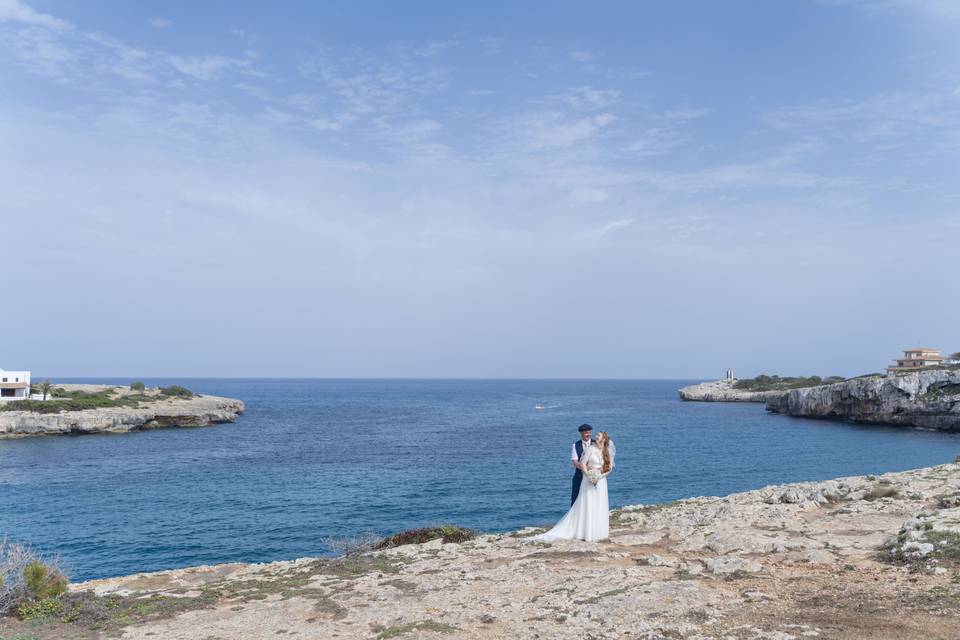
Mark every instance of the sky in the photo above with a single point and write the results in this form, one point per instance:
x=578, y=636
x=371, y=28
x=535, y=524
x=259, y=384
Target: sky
x=497, y=189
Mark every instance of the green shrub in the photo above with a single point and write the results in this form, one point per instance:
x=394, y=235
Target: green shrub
x=776, y=383
x=43, y=581
x=40, y=610
x=447, y=532
x=26, y=577
x=176, y=390
x=138, y=386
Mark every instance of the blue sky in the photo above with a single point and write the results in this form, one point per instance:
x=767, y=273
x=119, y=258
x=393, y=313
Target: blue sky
x=432, y=189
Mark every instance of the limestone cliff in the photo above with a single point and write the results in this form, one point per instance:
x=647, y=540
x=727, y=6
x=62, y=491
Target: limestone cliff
x=924, y=399
x=723, y=391
x=198, y=411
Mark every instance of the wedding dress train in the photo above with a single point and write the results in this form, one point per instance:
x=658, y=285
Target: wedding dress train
x=589, y=517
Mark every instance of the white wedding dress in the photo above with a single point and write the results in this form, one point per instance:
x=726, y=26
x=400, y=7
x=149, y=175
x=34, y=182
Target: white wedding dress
x=589, y=517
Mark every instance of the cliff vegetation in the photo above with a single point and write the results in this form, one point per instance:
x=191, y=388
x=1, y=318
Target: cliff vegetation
x=776, y=383
x=62, y=399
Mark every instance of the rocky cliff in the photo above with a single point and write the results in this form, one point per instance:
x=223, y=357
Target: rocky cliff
x=924, y=399
x=847, y=559
x=198, y=411
x=723, y=391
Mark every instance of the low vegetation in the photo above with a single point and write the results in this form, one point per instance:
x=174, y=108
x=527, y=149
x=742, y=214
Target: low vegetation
x=941, y=391
x=27, y=580
x=176, y=391
x=446, y=532
x=64, y=400
x=946, y=549
x=413, y=627
x=776, y=383
x=43, y=603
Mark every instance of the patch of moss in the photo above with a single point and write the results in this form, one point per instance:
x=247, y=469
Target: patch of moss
x=411, y=627
x=600, y=596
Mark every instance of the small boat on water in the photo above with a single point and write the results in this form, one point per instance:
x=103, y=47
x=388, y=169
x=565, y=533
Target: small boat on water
x=539, y=406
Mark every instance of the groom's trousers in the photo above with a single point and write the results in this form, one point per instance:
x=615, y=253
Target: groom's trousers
x=575, y=489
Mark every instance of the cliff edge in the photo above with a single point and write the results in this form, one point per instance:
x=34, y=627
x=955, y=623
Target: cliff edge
x=923, y=399
x=846, y=559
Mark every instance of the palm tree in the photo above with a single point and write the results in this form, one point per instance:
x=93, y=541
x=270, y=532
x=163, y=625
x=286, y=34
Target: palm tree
x=45, y=387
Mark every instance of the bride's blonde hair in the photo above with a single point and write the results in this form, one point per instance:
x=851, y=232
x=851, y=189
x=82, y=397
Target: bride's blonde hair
x=603, y=439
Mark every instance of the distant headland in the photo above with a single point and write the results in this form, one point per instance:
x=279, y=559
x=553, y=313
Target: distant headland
x=919, y=391
x=64, y=409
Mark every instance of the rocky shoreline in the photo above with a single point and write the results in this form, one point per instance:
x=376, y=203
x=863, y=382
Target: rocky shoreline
x=845, y=559
x=921, y=399
x=159, y=412
x=724, y=391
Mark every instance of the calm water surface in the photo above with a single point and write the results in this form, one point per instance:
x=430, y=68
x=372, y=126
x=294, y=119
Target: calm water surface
x=317, y=458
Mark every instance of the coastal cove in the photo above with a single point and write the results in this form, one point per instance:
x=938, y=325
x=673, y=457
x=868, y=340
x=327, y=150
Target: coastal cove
x=316, y=458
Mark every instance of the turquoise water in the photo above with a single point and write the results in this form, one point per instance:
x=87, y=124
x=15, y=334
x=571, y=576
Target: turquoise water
x=317, y=458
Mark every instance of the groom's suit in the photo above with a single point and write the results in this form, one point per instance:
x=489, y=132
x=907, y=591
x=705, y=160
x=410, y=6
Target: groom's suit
x=578, y=475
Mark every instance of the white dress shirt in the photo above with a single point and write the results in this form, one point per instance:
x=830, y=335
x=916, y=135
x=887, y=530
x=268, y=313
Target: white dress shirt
x=574, y=458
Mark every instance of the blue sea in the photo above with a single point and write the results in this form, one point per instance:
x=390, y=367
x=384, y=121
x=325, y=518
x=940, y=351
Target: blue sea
x=312, y=459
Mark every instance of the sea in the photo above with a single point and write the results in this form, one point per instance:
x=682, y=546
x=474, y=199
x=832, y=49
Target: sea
x=315, y=461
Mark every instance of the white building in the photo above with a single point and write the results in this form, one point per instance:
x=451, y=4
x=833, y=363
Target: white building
x=14, y=385
x=916, y=359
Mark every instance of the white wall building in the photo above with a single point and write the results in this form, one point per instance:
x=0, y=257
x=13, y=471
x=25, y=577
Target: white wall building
x=14, y=385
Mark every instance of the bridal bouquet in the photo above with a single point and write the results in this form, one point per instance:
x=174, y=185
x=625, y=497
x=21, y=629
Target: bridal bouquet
x=594, y=475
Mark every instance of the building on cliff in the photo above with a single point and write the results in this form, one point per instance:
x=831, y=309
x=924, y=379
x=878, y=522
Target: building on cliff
x=914, y=359
x=14, y=385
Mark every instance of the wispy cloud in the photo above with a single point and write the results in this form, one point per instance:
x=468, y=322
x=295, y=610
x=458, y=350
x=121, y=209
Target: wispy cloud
x=555, y=130
x=160, y=23
x=936, y=8
x=16, y=11
x=209, y=67
x=51, y=47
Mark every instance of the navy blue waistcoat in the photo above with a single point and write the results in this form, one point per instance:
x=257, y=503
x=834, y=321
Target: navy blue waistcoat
x=577, y=475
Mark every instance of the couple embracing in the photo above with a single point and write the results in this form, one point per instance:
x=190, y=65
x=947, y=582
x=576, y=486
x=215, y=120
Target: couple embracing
x=589, y=514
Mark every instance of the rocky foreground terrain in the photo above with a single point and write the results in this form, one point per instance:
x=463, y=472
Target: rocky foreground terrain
x=723, y=391
x=924, y=399
x=160, y=411
x=847, y=559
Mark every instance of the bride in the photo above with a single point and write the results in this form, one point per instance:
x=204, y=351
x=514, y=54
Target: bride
x=589, y=517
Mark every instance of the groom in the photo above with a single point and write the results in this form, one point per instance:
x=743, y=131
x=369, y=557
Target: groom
x=576, y=452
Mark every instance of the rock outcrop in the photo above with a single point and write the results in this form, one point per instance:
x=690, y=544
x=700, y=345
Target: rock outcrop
x=197, y=411
x=723, y=391
x=858, y=557
x=924, y=399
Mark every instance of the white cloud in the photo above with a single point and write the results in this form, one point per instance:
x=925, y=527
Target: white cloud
x=683, y=115
x=588, y=195
x=553, y=130
x=16, y=11
x=160, y=23
x=207, y=67
x=325, y=124
x=949, y=9
x=589, y=99
x=613, y=226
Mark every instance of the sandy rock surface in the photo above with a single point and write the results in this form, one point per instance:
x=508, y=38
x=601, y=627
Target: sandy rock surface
x=853, y=558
